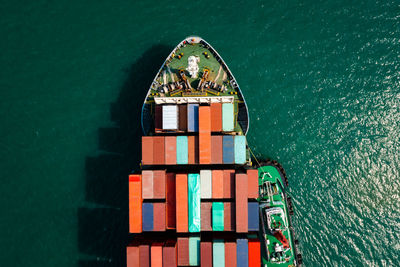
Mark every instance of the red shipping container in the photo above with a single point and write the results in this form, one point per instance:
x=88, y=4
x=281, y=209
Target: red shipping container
x=206, y=216
x=159, y=184
x=158, y=150
x=183, y=251
x=181, y=202
x=132, y=256
x=229, y=183
x=158, y=118
x=217, y=184
x=241, y=203
x=254, y=253
x=183, y=117
x=205, y=135
x=147, y=150
x=252, y=176
x=170, y=202
x=216, y=149
x=230, y=254
x=170, y=150
x=229, y=216
x=159, y=216
x=169, y=254
x=206, y=254
x=144, y=255
x=135, y=203
x=193, y=149
x=216, y=117
x=147, y=184
x=156, y=255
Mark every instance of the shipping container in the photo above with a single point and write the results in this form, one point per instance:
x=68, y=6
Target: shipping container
x=147, y=184
x=132, y=256
x=193, y=147
x=206, y=254
x=229, y=184
x=252, y=178
x=194, y=251
x=181, y=150
x=241, y=203
x=206, y=184
x=253, y=216
x=240, y=149
x=217, y=184
x=148, y=216
x=159, y=184
x=144, y=255
x=158, y=123
x=229, y=216
x=216, y=117
x=158, y=150
x=147, y=150
x=218, y=253
x=242, y=253
x=206, y=215
x=183, y=117
x=204, y=119
x=170, y=254
x=254, y=252
x=170, y=202
x=156, y=254
x=183, y=251
x=170, y=150
x=193, y=117
x=216, y=149
x=218, y=216
x=230, y=254
x=228, y=152
x=170, y=117
x=135, y=203
x=159, y=217
x=181, y=182
x=227, y=117
x=205, y=147
x=194, y=202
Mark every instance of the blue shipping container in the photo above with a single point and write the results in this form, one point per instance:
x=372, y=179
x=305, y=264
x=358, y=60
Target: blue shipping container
x=193, y=117
x=182, y=156
x=218, y=253
x=242, y=253
x=194, y=251
x=253, y=216
x=240, y=149
x=228, y=153
x=147, y=216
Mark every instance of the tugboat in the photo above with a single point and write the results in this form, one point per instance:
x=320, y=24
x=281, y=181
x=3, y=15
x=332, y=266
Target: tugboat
x=276, y=209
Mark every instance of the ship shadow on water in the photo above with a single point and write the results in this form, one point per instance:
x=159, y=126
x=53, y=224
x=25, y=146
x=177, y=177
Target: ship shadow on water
x=103, y=220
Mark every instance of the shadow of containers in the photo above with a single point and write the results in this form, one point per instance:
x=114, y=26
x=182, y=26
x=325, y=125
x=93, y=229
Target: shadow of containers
x=103, y=221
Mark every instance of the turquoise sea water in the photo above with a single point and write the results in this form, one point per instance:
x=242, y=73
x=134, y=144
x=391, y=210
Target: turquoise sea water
x=321, y=79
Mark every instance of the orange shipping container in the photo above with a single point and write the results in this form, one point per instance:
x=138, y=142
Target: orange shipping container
x=205, y=134
x=132, y=256
x=156, y=255
x=252, y=178
x=217, y=184
x=181, y=181
x=147, y=150
x=159, y=184
x=158, y=150
x=170, y=150
x=216, y=117
x=193, y=149
x=135, y=203
x=254, y=253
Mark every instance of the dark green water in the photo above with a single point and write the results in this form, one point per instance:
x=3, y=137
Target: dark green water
x=321, y=79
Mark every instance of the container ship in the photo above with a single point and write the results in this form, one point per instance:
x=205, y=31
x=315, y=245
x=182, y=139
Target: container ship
x=199, y=200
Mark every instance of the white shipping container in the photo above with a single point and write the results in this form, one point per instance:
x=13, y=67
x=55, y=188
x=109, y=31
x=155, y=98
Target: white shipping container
x=205, y=184
x=170, y=117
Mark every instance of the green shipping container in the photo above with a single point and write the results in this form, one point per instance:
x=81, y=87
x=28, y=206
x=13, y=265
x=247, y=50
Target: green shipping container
x=194, y=251
x=218, y=216
x=240, y=149
x=194, y=202
x=218, y=253
x=227, y=117
x=182, y=150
